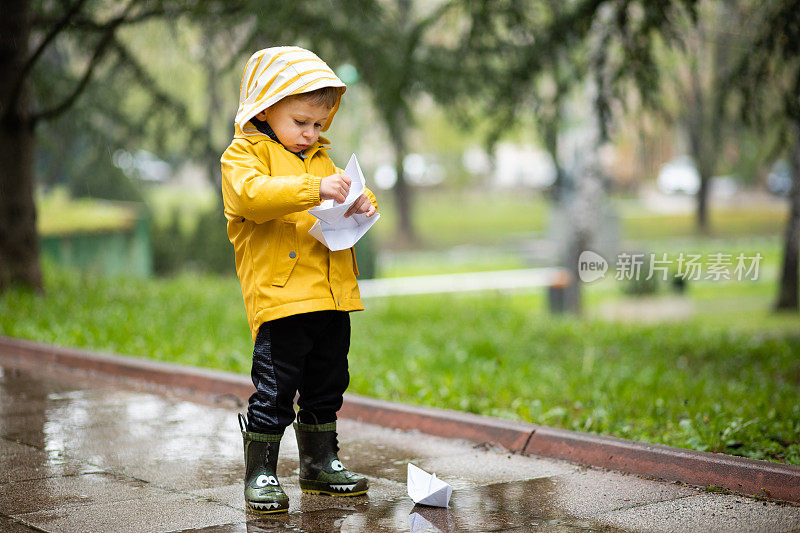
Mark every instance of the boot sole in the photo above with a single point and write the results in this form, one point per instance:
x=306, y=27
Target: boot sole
x=308, y=486
x=329, y=493
x=267, y=511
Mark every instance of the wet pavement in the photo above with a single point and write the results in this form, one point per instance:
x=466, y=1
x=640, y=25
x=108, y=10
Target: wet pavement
x=87, y=453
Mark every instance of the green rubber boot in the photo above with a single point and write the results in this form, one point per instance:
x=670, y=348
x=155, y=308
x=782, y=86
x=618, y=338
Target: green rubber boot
x=262, y=491
x=321, y=471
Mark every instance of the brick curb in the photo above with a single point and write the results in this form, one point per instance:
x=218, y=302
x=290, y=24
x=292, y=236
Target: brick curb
x=737, y=474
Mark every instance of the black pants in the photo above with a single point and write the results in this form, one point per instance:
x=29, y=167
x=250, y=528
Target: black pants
x=305, y=353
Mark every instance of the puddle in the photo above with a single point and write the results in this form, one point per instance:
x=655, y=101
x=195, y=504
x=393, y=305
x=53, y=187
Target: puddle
x=147, y=437
x=515, y=506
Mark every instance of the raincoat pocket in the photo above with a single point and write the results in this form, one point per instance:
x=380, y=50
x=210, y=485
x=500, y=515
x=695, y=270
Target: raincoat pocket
x=286, y=257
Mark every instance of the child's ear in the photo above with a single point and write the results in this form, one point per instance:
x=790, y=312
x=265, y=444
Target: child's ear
x=262, y=115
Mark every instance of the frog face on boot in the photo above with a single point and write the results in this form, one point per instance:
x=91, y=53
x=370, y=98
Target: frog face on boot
x=263, y=493
x=262, y=490
x=321, y=471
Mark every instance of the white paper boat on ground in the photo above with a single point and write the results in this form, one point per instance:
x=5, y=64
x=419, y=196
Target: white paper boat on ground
x=427, y=489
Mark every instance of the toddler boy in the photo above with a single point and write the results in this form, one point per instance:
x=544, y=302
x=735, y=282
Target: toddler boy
x=297, y=293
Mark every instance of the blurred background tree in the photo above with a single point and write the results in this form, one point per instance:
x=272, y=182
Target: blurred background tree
x=695, y=77
x=388, y=44
x=52, y=53
x=525, y=59
x=126, y=88
x=766, y=76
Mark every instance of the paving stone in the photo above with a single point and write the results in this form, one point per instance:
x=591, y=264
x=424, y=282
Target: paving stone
x=204, y=470
x=479, y=468
x=386, y=452
x=587, y=492
x=21, y=462
x=156, y=513
x=81, y=489
x=707, y=512
x=10, y=525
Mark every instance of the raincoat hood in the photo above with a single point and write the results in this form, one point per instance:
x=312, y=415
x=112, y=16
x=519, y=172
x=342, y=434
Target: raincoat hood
x=275, y=73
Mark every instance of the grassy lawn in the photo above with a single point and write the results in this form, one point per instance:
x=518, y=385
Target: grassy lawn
x=723, y=221
x=450, y=218
x=442, y=218
x=726, y=378
x=447, y=218
x=59, y=214
x=693, y=383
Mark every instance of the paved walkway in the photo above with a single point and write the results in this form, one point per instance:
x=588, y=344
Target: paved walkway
x=80, y=453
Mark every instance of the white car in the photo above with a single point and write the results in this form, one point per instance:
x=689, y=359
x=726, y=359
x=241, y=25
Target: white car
x=679, y=176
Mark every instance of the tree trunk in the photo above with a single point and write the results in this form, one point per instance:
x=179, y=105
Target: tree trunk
x=702, y=205
x=701, y=157
x=703, y=141
x=788, y=290
x=560, y=187
x=211, y=156
x=19, y=245
x=402, y=192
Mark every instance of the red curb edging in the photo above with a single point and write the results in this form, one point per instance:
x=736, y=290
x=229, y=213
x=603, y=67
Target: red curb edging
x=737, y=474
x=213, y=382
x=508, y=434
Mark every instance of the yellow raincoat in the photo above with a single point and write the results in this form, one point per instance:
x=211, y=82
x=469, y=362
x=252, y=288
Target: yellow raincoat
x=267, y=192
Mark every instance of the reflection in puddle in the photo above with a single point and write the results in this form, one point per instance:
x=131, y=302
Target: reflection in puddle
x=520, y=506
x=431, y=519
x=140, y=434
x=57, y=424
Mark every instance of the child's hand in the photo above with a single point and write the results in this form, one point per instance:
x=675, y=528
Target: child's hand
x=361, y=205
x=334, y=187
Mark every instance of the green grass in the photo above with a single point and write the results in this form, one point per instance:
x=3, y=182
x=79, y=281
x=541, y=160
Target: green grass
x=58, y=214
x=168, y=319
x=448, y=218
x=687, y=384
x=723, y=222
x=725, y=379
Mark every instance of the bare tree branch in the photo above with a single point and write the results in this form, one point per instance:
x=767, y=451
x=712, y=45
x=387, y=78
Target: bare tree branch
x=182, y=8
x=57, y=27
x=158, y=95
x=89, y=24
x=100, y=51
x=247, y=45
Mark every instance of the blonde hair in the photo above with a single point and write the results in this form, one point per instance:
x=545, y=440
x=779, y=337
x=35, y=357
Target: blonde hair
x=327, y=96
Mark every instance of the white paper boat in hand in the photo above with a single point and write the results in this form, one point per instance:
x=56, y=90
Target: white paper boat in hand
x=334, y=230
x=427, y=489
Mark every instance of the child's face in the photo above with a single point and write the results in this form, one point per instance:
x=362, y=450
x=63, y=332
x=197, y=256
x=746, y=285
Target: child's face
x=296, y=121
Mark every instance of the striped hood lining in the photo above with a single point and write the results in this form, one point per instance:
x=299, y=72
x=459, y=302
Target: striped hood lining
x=275, y=73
